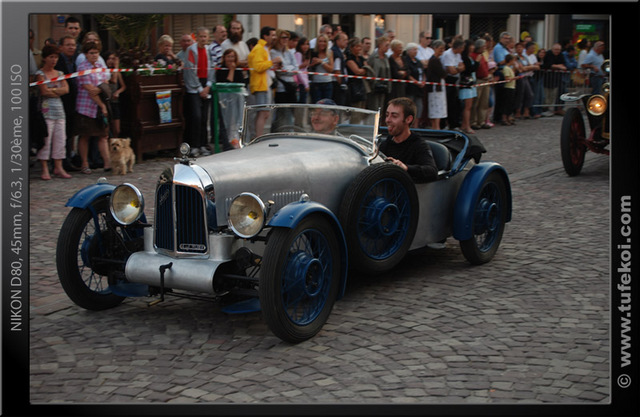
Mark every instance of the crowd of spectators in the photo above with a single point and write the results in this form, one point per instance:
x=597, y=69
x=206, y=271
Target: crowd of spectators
x=456, y=83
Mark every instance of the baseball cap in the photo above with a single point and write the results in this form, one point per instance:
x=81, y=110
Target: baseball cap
x=326, y=101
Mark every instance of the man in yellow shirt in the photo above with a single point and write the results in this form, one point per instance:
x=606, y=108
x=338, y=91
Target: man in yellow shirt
x=260, y=63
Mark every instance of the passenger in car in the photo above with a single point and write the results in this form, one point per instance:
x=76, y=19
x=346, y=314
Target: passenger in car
x=404, y=148
x=324, y=120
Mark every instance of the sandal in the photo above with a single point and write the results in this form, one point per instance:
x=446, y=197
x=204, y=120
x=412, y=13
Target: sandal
x=85, y=170
x=45, y=177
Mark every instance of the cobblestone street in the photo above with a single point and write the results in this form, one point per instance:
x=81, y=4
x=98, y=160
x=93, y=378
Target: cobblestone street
x=531, y=326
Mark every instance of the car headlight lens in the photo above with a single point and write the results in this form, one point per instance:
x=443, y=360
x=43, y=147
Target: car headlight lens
x=185, y=149
x=126, y=204
x=597, y=105
x=606, y=88
x=247, y=215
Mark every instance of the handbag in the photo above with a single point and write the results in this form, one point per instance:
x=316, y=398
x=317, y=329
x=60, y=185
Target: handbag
x=105, y=92
x=290, y=87
x=466, y=81
x=380, y=87
x=357, y=91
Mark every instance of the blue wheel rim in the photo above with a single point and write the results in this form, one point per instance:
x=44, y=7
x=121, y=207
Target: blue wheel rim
x=307, y=275
x=487, y=219
x=383, y=219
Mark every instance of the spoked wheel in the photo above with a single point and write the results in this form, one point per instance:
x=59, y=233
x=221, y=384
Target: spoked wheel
x=86, y=249
x=300, y=278
x=488, y=221
x=572, y=141
x=379, y=215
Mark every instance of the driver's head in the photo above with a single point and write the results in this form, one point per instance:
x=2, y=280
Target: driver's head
x=324, y=120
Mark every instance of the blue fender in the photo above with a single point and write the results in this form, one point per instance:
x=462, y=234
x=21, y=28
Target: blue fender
x=83, y=198
x=468, y=196
x=291, y=214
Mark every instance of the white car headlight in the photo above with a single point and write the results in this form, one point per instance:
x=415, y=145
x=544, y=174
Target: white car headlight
x=126, y=204
x=247, y=214
x=597, y=105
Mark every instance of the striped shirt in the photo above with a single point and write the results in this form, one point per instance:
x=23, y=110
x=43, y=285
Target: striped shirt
x=216, y=53
x=84, y=104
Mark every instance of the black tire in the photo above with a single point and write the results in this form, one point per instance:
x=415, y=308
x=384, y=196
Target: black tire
x=572, y=141
x=85, y=281
x=490, y=213
x=300, y=278
x=379, y=216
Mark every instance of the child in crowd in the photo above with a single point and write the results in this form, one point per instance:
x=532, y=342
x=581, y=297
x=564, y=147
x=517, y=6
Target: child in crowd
x=509, y=90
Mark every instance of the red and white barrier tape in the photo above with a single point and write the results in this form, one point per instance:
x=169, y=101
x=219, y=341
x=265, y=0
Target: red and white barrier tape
x=395, y=80
x=151, y=70
x=79, y=74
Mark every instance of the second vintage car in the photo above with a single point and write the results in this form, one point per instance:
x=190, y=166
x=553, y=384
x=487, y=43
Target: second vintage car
x=279, y=223
x=574, y=139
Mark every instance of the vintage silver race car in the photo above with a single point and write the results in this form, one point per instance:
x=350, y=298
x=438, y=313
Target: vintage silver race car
x=282, y=220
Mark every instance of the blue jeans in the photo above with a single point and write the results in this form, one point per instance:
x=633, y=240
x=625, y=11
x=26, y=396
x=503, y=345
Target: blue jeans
x=320, y=91
x=596, y=82
x=302, y=94
x=538, y=95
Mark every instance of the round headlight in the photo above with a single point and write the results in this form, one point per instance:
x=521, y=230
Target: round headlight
x=185, y=149
x=606, y=88
x=247, y=215
x=597, y=105
x=126, y=204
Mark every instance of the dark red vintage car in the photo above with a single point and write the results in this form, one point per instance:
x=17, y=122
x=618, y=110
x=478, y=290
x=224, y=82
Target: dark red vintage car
x=574, y=140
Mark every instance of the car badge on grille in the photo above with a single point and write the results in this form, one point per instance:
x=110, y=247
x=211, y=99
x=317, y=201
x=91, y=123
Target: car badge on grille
x=163, y=197
x=192, y=247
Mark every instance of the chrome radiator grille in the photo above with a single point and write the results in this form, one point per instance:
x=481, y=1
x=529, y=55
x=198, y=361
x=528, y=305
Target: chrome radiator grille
x=183, y=230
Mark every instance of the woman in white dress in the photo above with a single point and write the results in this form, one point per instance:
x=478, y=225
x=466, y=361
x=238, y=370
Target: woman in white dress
x=437, y=97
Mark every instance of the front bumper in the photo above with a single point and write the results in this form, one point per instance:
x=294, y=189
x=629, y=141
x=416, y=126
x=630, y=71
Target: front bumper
x=189, y=274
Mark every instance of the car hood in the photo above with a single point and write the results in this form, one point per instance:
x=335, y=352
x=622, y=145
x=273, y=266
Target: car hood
x=281, y=169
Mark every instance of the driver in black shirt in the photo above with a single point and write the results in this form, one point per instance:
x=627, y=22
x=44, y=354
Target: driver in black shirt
x=406, y=149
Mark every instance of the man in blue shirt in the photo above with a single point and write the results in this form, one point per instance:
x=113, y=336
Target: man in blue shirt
x=594, y=61
x=571, y=63
x=500, y=51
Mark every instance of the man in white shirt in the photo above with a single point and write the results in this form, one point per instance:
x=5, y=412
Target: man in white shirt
x=452, y=63
x=325, y=29
x=340, y=67
x=530, y=55
x=235, y=42
x=391, y=35
x=424, y=49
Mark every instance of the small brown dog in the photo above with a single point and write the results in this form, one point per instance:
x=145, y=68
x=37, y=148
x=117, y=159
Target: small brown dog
x=122, y=156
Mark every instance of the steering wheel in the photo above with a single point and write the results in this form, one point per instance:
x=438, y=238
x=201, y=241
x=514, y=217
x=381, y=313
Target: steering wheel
x=290, y=128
